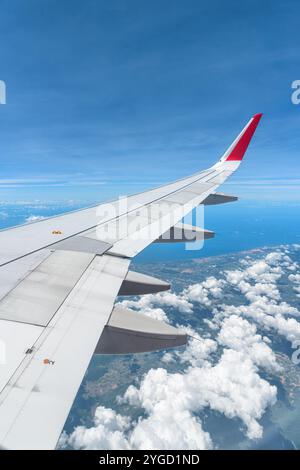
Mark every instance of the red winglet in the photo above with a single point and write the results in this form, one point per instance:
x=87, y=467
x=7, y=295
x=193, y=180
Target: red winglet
x=239, y=149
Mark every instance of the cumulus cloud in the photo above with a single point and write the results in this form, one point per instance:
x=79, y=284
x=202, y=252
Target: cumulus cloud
x=168, y=357
x=164, y=428
x=240, y=335
x=107, y=432
x=287, y=327
x=232, y=387
x=204, y=292
x=156, y=314
x=152, y=304
x=258, y=284
x=256, y=279
x=171, y=402
x=295, y=278
x=170, y=423
x=198, y=349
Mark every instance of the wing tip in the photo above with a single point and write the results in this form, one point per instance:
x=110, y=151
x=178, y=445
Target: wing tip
x=238, y=151
x=257, y=116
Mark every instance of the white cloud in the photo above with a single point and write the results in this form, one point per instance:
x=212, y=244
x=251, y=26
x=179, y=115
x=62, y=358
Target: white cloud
x=150, y=304
x=168, y=357
x=169, y=427
x=204, y=292
x=198, y=349
x=166, y=428
x=107, y=432
x=238, y=334
x=295, y=278
x=258, y=283
x=156, y=313
x=232, y=387
x=172, y=400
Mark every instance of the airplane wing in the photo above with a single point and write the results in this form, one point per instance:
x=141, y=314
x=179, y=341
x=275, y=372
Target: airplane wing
x=59, y=279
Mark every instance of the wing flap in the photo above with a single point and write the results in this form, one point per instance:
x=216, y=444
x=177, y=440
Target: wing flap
x=37, y=297
x=130, y=332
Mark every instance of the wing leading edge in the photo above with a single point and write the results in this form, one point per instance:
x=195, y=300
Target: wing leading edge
x=59, y=281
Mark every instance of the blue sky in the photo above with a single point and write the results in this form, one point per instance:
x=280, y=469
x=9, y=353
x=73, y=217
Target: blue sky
x=113, y=97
